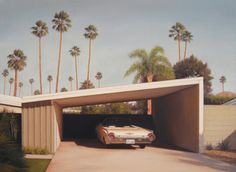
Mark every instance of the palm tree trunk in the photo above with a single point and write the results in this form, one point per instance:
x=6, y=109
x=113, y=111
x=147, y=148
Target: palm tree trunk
x=31, y=89
x=4, y=86
x=19, y=91
x=10, y=90
x=89, y=60
x=70, y=85
x=15, y=83
x=149, y=104
x=50, y=87
x=40, y=67
x=223, y=89
x=59, y=63
x=185, y=50
x=99, y=83
x=76, y=73
x=179, y=47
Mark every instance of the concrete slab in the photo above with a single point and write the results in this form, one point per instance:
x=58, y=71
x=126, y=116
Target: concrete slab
x=88, y=156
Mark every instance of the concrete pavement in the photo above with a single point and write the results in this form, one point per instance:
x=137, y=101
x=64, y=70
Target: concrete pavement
x=90, y=156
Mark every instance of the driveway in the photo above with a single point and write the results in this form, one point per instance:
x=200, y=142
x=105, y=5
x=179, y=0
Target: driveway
x=90, y=156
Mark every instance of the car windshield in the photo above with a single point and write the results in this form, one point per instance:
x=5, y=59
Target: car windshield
x=118, y=122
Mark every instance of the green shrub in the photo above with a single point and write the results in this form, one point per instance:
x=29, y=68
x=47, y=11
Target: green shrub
x=37, y=150
x=209, y=147
x=223, y=145
x=216, y=100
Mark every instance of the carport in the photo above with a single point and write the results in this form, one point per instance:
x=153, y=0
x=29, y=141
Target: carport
x=177, y=110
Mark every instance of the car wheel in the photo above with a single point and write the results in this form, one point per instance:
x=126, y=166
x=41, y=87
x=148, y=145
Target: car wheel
x=142, y=146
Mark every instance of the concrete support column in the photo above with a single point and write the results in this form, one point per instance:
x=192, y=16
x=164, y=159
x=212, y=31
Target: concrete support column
x=179, y=118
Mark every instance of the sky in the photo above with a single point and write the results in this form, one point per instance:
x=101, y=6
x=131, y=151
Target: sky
x=123, y=26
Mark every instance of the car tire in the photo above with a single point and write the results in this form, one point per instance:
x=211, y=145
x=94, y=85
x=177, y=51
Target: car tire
x=142, y=146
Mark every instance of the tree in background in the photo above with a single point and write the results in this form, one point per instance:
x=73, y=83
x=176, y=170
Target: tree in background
x=193, y=67
x=50, y=79
x=91, y=34
x=16, y=62
x=61, y=23
x=63, y=89
x=70, y=79
x=11, y=80
x=149, y=66
x=186, y=37
x=99, y=77
x=20, y=85
x=36, y=92
x=222, y=81
x=40, y=30
x=87, y=84
x=31, y=81
x=176, y=32
x=75, y=52
x=5, y=73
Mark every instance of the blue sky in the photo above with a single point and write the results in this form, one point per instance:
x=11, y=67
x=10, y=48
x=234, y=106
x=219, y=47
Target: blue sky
x=123, y=26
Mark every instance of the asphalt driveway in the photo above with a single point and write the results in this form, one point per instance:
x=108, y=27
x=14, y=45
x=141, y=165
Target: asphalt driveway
x=91, y=156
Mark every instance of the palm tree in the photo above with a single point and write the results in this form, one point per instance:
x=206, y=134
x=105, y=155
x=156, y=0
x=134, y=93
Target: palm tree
x=176, y=31
x=5, y=73
x=91, y=34
x=20, y=85
x=31, y=81
x=148, y=65
x=50, y=83
x=11, y=80
x=222, y=81
x=36, y=92
x=87, y=84
x=16, y=62
x=75, y=52
x=187, y=37
x=39, y=30
x=70, y=79
x=61, y=23
x=98, y=77
x=64, y=89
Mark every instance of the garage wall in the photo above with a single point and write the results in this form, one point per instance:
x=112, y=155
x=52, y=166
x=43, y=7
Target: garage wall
x=41, y=126
x=177, y=118
x=220, y=124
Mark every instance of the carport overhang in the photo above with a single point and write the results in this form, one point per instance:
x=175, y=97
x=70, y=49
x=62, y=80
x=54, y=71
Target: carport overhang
x=177, y=107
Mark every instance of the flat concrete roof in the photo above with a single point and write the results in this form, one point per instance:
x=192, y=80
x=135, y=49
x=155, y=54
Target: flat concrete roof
x=115, y=94
x=10, y=100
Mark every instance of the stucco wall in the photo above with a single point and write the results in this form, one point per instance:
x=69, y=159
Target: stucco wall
x=41, y=125
x=177, y=118
x=220, y=124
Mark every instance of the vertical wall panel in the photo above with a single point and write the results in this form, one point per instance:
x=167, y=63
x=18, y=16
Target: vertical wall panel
x=31, y=127
x=37, y=137
x=48, y=128
x=43, y=126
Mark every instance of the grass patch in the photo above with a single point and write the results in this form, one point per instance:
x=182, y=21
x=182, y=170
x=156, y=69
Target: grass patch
x=37, y=165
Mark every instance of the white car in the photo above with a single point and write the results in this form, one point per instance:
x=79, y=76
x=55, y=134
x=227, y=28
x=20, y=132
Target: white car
x=122, y=131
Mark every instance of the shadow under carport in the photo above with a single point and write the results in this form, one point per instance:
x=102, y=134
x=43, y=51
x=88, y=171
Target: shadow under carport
x=81, y=129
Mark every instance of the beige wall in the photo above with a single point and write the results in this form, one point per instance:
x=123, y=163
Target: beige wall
x=220, y=124
x=177, y=118
x=41, y=125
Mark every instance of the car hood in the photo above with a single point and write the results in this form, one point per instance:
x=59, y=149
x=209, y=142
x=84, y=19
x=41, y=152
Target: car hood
x=127, y=130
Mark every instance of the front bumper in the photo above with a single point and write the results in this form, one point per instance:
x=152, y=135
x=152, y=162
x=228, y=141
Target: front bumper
x=128, y=141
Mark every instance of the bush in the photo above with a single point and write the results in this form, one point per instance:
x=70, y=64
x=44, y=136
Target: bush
x=223, y=145
x=11, y=156
x=216, y=100
x=209, y=147
x=37, y=150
